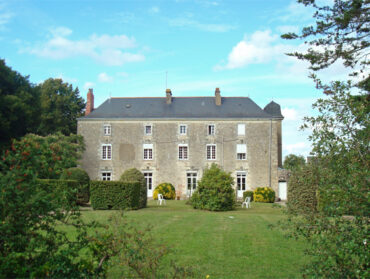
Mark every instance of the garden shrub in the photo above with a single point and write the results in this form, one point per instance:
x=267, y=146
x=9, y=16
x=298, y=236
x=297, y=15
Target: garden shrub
x=166, y=189
x=134, y=174
x=83, y=193
x=302, y=190
x=115, y=194
x=248, y=194
x=264, y=194
x=214, y=191
x=62, y=192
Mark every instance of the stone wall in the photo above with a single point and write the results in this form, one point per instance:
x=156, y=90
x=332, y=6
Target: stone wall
x=127, y=139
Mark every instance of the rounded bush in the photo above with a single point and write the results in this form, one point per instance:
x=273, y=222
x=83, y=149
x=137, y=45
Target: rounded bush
x=264, y=194
x=80, y=175
x=132, y=175
x=166, y=189
x=214, y=191
x=248, y=194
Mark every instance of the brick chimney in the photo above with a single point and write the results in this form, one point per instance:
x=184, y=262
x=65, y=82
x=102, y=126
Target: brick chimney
x=90, y=102
x=168, y=96
x=218, y=97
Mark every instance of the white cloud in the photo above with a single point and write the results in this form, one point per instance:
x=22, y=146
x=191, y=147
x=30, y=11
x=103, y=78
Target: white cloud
x=5, y=15
x=287, y=28
x=103, y=77
x=289, y=114
x=261, y=47
x=122, y=74
x=88, y=85
x=106, y=49
x=154, y=10
x=297, y=148
x=209, y=27
x=66, y=79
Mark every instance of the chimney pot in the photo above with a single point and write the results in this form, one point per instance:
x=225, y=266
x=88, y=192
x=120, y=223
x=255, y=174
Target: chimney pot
x=168, y=96
x=90, y=102
x=218, y=96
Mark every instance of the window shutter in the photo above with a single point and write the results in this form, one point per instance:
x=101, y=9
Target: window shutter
x=241, y=129
x=241, y=148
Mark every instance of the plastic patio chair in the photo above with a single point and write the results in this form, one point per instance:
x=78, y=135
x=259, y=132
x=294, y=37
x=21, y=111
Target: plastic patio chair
x=247, y=202
x=161, y=199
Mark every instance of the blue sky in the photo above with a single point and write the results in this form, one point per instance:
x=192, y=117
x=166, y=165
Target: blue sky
x=124, y=48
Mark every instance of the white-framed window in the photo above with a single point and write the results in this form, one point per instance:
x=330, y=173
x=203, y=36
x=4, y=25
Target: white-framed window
x=241, y=129
x=183, y=129
x=183, y=152
x=149, y=180
x=148, y=151
x=148, y=129
x=191, y=182
x=211, y=129
x=211, y=151
x=106, y=175
x=241, y=152
x=107, y=129
x=241, y=181
x=106, y=151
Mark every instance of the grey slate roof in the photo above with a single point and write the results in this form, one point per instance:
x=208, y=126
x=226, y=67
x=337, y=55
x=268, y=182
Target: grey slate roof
x=273, y=109
x=181, y=107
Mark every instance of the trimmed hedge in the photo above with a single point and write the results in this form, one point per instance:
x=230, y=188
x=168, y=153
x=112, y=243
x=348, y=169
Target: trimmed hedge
x=248, y=194
x=115, y=195
x=134, y=174
x=264, y=194
x=302, y=190
x=166, y=189
x=62, y=192
x=83, y=193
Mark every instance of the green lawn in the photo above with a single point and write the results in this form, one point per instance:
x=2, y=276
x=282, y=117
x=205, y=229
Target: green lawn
x=233, y=244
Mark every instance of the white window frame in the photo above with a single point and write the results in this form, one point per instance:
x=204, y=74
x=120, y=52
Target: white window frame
x=241, y=174
x=211, y=131
x=148, y=175
x=211, y=153
x=185, y=127
x=104, y=174
x=151, y=129
x=107, y=128
x=149, y=153
x=107, y=152
x=241, y=149
x=190, y=176
x=241, y=129
x=183, y=157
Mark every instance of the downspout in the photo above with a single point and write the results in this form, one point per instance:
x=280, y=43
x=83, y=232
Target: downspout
x=270, y=144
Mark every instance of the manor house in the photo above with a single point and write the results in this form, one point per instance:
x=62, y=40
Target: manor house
x=173, y=139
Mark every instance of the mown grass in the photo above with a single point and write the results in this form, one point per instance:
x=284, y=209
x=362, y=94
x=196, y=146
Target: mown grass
x=233, y=244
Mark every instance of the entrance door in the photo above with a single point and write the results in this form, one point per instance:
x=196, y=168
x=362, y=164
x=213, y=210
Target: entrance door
x=149, y=183
x=283, y=190
x=191, y=183
x=241, y=183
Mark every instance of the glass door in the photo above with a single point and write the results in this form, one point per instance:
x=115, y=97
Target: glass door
x=191, y=183
x=149, y=183
x=241, y=183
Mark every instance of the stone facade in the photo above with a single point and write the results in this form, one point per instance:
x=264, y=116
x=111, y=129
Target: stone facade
x=127, y=139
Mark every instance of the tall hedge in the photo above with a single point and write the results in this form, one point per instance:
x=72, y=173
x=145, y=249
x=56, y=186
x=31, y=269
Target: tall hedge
x=63, y=192
x=134, y=174
x=83, y=193
x=115, y=195
x=302, y=190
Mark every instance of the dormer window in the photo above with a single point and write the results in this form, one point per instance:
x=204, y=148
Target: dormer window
x=107, y=129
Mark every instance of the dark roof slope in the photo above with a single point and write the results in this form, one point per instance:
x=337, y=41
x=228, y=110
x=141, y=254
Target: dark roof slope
x=181, y=107
x=273, y=109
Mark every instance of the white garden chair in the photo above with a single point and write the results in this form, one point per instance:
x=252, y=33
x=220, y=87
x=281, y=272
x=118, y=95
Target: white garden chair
x=247, y=202
x=161, y=199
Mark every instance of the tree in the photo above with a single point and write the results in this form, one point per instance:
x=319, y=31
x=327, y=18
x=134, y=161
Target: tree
x=19, y=105
x=341, y=33
x=32, y=245
x=340, y=140
x=293, y=162
x=133, y=174
x=61, y=105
